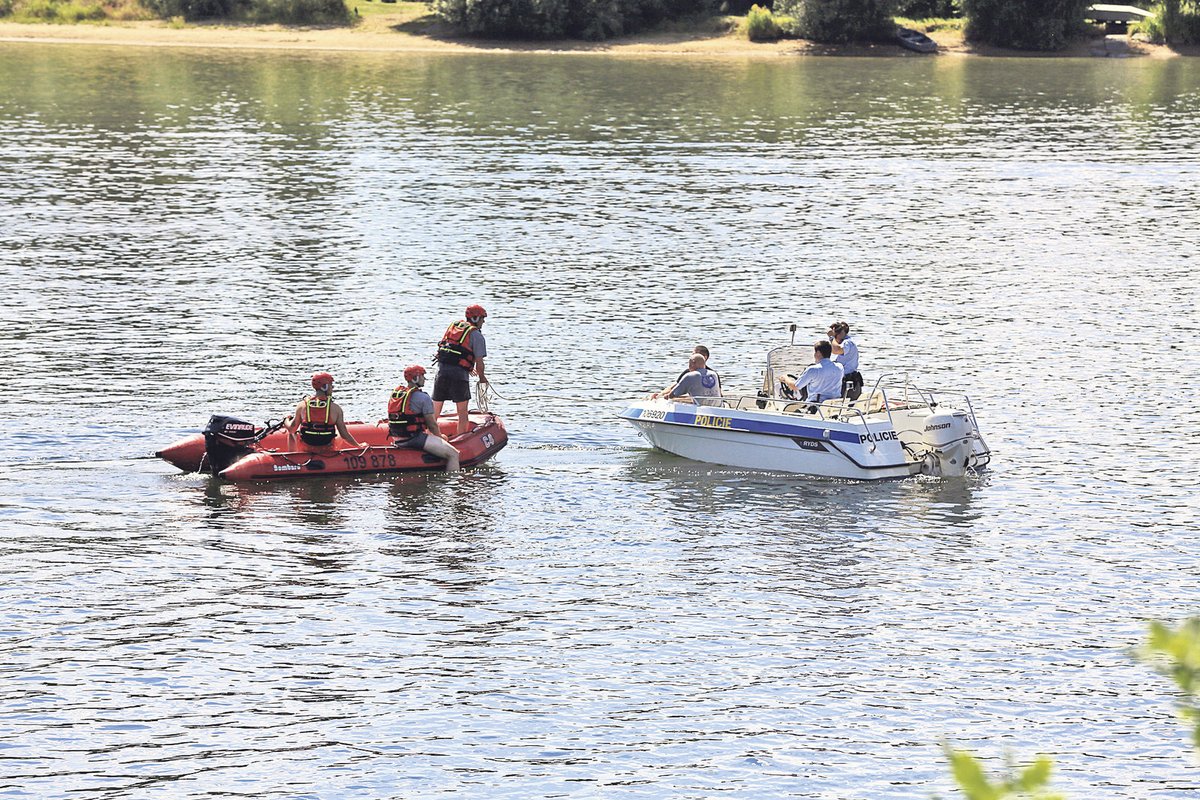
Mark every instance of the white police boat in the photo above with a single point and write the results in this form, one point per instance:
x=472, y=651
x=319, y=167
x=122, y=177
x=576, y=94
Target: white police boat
x=894, y=430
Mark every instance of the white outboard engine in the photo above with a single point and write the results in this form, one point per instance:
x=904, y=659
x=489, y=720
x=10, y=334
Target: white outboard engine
x=949, y=438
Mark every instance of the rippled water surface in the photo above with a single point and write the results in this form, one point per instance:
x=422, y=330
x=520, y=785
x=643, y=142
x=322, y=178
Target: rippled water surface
x=183, y=233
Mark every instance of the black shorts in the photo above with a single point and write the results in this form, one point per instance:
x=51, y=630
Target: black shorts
x=454, y=388
x=852, y=385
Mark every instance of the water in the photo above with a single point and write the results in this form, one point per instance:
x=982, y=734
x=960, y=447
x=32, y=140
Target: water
x=184, y=233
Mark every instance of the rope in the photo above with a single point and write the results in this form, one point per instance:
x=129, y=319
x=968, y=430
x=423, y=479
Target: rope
x=484, y=392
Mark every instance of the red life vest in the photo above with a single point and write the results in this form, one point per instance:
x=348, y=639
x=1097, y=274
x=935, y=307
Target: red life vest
x=455, y=346
x=402, y=422
x=317, y=433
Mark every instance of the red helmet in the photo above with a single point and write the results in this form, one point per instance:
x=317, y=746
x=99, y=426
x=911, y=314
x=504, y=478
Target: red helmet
x=475, y=312
x=412, y=373
x=321, y=380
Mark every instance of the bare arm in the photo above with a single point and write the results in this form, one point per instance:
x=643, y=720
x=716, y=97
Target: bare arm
x=836, y=348
x=339, y=421
x=479, y=370
x=431, y=425
x=293, y=422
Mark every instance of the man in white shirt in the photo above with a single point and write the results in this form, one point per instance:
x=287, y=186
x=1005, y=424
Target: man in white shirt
x=845, y=353
x=820, y=382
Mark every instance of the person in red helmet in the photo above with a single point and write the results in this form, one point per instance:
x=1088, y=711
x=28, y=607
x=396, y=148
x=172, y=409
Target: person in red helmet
x=412, y=422
x=317, y=420
x=459, y=355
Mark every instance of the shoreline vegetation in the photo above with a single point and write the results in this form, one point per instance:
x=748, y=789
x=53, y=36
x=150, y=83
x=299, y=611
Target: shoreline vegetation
x=409, y=27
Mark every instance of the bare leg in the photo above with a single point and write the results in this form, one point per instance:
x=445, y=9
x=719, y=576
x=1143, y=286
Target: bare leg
x=442, y=449
x=437, y=408
x=463, y=423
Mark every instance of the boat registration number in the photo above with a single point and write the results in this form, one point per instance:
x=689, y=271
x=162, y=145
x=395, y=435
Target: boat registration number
x=379, y=461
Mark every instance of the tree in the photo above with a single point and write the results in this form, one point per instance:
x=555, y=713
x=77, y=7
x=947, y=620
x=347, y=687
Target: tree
x=839, y=21
x=1025, y=24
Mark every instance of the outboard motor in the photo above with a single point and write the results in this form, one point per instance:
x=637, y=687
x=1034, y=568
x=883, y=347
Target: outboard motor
x=949, y=437
x=226, y=440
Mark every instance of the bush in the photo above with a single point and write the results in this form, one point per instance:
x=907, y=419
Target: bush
x=1153, y=29
x=195, y=9
x=6, y=8
x=299, y=12
x=761, y=25
x=549, y=19
x=1025, y=24
x=839, y=21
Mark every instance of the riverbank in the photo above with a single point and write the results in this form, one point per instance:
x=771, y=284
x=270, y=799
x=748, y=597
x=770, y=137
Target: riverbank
x=401, y=29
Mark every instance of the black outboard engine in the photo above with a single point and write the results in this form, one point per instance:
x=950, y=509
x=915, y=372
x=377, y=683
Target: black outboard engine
x=226, y=440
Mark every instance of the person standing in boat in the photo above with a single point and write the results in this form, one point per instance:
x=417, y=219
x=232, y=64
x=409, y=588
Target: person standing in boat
x=317, y=420
x=822, y=380
x=698, y=382
x=413, y=423
x=845, y=353
x=460, y=353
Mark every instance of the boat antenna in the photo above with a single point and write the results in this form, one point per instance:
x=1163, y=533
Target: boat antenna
x=792, y=328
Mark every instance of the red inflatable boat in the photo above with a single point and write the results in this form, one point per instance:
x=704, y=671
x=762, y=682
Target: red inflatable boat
x=239, y=451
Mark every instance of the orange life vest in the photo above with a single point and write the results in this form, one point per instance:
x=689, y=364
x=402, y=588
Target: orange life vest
x=402, y=423
x=455, y=346
x=317, y=433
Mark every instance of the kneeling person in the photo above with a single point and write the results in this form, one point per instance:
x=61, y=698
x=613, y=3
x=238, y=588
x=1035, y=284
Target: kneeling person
x=412, y=423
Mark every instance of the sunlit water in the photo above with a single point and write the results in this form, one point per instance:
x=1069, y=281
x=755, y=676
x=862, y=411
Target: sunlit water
x=183, y=233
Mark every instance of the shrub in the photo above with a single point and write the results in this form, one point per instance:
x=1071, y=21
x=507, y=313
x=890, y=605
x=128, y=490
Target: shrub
x=196, y=9
x=547, y=19
x=299, y=12
x=6, y=8
x=839, y=21
x=1025, y=24
x=761, y=25
x=1153, y=28
x=78, y=12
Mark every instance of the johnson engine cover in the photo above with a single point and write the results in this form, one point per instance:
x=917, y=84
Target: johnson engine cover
x=949, y=437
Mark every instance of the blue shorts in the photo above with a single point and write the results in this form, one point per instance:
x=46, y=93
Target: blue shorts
x=415, y=443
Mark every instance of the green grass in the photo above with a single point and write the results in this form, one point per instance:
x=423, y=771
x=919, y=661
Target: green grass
x=371, y=8
x=934, y=24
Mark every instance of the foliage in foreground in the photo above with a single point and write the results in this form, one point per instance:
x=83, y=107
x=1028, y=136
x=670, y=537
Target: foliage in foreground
x=1025, y=24
x=841, y=21
x=976, y=785
x=553, y=19
x=1174, y=653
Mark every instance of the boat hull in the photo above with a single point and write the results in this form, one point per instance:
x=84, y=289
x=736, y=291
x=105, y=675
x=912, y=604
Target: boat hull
x=771, y=441
x=270, y=459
